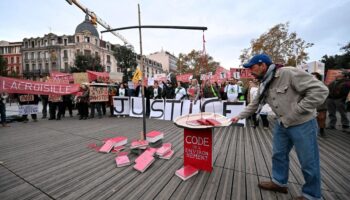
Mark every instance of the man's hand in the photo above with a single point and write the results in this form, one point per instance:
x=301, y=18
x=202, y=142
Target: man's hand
x=235, y=119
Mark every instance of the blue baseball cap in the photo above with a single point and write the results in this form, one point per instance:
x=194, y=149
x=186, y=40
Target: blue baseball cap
x=259, y=58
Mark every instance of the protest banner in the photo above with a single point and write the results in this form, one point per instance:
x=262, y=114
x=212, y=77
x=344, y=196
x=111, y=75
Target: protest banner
x=80, y=78
x=186, y=104
x=27, y=109
x=136, y=106
x=92, y=75
x=121, y=105
x=172, y=109
x=240, y=73
x=62, y=76
x=55, y=98
x=26, y=98
x=98, y=93
x=185, y=78
x=150, y=82
x=12, y=85
x=116, y=76
x=213, y=105
x=232, y=109
x=157, y=108
x=160, y=77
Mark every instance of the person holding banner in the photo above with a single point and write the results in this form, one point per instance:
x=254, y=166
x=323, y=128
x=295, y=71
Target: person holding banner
x=180, y=91
x=155, y=91
x=293, y=95
x=83, y=100
x=3, y=97
x=27, y=101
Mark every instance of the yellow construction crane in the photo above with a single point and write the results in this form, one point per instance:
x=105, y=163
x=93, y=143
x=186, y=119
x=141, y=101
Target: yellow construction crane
x=95, y=19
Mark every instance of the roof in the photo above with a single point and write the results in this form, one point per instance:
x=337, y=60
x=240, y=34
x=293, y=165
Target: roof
x=87, y=26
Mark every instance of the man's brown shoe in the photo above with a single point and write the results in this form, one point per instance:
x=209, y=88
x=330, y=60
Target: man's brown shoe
x=300, y=198
x=269, y=185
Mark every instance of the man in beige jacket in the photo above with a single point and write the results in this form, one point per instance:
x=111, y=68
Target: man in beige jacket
x=293, y=95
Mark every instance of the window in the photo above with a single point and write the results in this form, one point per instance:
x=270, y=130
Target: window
x=26, y=55
x=65, y=54
x=27, y=67
x=108, y=59
x=12, y=60
x=46, y=67
x=32, y=44
x=65, y=42
x=39, y=56
x=18, y=60
x=46, y=55
x=86, y=39
x=40, y=67
x=33, y=67
x=33, y=55
x=45, y=43
x=53, y=41
x=77, y=38
x=87, y=52
x=108, y=69
x=66, y=66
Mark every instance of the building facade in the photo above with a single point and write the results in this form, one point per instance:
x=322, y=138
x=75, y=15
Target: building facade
x=11, y=51
x=151, y=67
x=167, y=60
x=42, y=55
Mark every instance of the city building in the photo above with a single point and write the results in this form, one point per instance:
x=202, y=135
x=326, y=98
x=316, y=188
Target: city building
x=151, y=67
x=167, y=60
x=42, y=55
x=11, y=51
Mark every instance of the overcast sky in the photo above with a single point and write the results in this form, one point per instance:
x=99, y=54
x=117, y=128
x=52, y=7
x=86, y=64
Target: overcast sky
x=232, y=24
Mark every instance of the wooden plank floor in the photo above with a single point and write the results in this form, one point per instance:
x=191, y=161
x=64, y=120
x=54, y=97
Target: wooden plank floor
x=51, y=160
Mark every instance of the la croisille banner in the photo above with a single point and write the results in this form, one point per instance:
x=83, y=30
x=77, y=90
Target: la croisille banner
x=13, y=85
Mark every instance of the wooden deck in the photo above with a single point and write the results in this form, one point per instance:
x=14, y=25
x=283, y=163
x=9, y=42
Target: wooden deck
x=51, y=160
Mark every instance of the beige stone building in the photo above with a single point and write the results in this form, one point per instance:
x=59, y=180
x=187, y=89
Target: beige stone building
x=42, y=55
x=167, y=60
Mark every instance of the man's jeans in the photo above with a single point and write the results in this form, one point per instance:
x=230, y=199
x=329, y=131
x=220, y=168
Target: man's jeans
x=304, y=138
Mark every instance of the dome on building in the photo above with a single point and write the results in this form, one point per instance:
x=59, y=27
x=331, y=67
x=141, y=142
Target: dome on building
x=87, y=26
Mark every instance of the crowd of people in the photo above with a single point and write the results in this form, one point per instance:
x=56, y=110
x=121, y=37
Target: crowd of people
x=231, y=90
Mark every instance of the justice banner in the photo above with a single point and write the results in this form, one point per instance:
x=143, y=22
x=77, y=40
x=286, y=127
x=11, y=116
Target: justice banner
x=12, y=85
x=170, y=109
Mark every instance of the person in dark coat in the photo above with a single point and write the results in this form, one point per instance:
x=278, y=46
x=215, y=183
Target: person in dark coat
x=168, y=90
x=155, y=92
